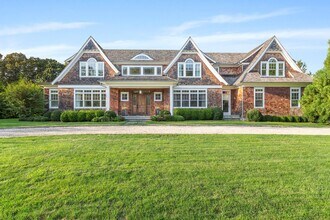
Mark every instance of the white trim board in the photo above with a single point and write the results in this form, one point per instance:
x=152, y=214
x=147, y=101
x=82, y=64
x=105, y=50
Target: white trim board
x=201, y=56
x=81, y=87
x=198, y=87
x=78, y=55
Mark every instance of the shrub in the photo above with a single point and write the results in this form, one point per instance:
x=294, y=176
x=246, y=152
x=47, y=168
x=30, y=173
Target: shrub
x=110, y=114
x=40, y=118
x=177, y=118
x=25, y=98
x=287, y=118
x=266, y=118
x=99, y=113
x=81, y=115
x=167, y=118
x=291, y=119
x=164, y=112
x=254, y=115
x=48, y=114
x=217, y=113
x=119, y=118
x=56, y=115
x=69, y=116
x=25, y=118
x=101, y=119
x=200, y=114
x=90, y=114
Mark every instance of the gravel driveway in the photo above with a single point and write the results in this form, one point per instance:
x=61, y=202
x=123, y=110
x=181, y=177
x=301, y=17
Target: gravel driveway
x=44, y=131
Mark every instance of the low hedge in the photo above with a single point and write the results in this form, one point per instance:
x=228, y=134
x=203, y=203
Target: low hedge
x=254, y=115
x=200, y=114
x=167, y=118
x=69, y=116
x=55, y=115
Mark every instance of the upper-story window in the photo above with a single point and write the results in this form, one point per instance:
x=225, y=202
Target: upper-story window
x=272, y=68
x=189, y=68
x=91, y=68
x=141, y=56
x=141, y=70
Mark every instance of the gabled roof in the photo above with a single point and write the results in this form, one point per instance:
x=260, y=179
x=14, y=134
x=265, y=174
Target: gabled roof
x=190, y=46
x=89, y=44
x=260, y=52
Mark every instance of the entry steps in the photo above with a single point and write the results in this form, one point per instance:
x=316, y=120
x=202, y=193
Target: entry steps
x=137, y=118
x=232, y=117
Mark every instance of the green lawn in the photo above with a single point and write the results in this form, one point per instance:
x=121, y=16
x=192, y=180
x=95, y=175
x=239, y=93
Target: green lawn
x=13, y=123
x=165, y=177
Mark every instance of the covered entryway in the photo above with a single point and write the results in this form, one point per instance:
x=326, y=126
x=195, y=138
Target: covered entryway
x=226, y=96
x=141, y=102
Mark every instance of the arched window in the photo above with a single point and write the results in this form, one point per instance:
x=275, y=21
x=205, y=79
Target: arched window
x=141, y=56
x=189, y=68
x=272, y=68
x=91, y=68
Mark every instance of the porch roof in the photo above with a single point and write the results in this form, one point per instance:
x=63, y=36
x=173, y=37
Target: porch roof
x=140, y=82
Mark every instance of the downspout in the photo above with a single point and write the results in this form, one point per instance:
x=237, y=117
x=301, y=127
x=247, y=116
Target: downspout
x=242, y=102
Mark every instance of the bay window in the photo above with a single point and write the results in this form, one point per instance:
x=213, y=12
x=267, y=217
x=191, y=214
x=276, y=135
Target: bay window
x=272, y=68
x=91, y=68
x=190, y=98
x=189, y=69
x=90, y=98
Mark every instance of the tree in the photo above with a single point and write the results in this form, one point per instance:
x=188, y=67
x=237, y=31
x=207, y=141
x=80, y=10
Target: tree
x=12, y=67
x=316, y=99
x=25, y=98
x=302, y=65
x=16, y=66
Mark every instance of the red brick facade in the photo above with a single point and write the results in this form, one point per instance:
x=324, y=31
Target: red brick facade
x=276, y=101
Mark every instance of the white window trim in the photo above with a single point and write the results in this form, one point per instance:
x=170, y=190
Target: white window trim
x=184, y=69
x=161, y=96
x=121, y=96
x=263, y=97
x=267, y=68
x=142, y=54
x=50, y=101
x=96, y=69
x=206, y=101
x=141, y=70
x=292, y=88
x=92, y=107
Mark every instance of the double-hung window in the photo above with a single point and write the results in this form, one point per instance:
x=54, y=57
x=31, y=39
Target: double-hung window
x=272, y=68
x=189, y=69
x=295, y=94
x=259, y=97
x=90, y=98
x=53, y=98
x=91, y=68
x=190, y=98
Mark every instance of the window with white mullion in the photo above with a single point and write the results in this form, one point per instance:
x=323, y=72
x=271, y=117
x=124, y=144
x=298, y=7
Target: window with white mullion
x=192, y=98
x=259, y=97
x=189, y=69
x=295, y=94
x=91, y=68
x=272, y=68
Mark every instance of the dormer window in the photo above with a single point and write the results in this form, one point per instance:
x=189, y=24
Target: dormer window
x=272, y=68
x=91, y=68
x=141, y=56
x=189, y=69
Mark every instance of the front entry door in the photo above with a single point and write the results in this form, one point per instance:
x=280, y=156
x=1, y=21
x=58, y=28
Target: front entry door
x=141, y=104
x=226, y=102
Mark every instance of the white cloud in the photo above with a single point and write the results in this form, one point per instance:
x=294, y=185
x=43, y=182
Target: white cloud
x=42, y=27
x=224, y=19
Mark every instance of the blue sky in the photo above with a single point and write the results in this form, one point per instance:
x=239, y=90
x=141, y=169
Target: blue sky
x=57, y=29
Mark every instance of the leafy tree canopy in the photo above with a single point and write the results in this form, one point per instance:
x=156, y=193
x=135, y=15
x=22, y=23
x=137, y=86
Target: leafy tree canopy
x=17, y=66
x=316, y=99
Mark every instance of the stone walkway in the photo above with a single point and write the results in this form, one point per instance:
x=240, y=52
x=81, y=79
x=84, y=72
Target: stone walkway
x=44, y=131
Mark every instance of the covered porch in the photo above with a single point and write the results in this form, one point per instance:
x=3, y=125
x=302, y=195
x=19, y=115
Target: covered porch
x=139, y=98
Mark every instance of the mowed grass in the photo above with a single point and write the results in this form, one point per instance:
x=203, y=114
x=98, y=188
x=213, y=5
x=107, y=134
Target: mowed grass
x=15, y=123
x=165, y=177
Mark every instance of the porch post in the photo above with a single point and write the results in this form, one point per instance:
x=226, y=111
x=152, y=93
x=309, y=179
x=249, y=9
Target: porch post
x=171, y=100
x=107, y=92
